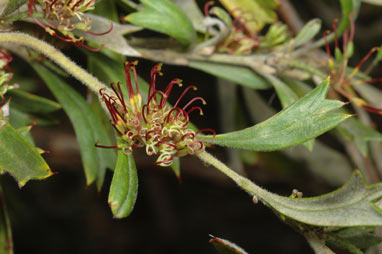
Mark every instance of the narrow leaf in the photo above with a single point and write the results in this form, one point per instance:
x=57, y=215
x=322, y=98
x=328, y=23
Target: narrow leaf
x=237, y=74
x=31, y=103
x=307, y=32
x=165, y=17
x=175, y=166
x=226, y=247
x=305, y=119
x=19, y=157
x=191, y=8
x=124, y=186
x=87, y=126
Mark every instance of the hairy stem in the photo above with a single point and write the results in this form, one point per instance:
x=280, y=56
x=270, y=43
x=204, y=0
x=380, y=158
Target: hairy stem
x=55, y=55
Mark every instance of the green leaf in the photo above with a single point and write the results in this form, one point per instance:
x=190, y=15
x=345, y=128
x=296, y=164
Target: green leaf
x=165, y=17
x=348, y=7
x=260, y=11
x=307, y=32
x=237, y=74
x=175, y=166
x=305, y=119
x=226, y=247
x=6, y=243
x=124, y=186
x=87, y=126
x=191, y=8
x=12, y=6
x=31, y=103
x=351, y=205
x=106, y=9
x=19, y=157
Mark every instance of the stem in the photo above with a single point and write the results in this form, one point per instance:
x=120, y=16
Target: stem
x=55, y=55
x=244, y=183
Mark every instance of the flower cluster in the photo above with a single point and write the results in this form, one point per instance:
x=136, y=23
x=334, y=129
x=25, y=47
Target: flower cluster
x=163, y=130
x=64, y=16
x=344, y=81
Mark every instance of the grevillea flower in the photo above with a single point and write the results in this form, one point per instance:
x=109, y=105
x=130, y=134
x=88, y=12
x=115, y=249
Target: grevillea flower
x=160, y=128
x=344, y=80
x=64, y=16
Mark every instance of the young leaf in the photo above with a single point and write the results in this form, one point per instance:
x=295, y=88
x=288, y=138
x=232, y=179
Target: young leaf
x=124, y=186
x=19, y=157
x=6, y=244
x=165, y=17
x=238, y=74
x=226, y=247
x=305, y=119
x=307, y=32
x=87, y=126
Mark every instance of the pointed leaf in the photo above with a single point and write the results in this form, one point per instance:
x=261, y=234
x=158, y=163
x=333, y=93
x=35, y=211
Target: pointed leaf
x=226, y=247
x=175, y=166
x=165, y=17
x=19, y=157
x=124, y=186
x=87, y=126
x=31, y=103
x=305, y=119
